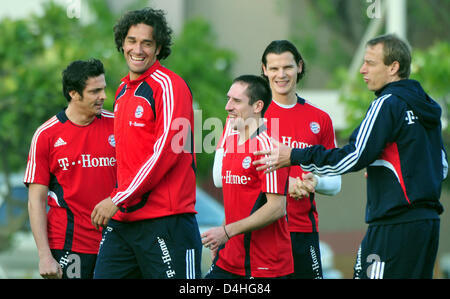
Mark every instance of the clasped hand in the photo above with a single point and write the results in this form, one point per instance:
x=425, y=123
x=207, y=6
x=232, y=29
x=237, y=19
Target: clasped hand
x=299, y=188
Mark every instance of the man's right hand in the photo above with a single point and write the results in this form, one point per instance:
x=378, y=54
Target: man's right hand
x=49, y=268
x=278, y=157
x=299, y=188
x=103, y=212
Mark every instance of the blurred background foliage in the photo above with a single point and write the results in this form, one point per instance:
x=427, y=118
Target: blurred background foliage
x=328, y=32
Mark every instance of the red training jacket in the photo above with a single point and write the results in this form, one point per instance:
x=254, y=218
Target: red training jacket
x=153, y=127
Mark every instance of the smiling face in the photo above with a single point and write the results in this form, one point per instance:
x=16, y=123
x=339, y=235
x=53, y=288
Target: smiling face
x=240, y=112
x=282, y=71
x=140, y=49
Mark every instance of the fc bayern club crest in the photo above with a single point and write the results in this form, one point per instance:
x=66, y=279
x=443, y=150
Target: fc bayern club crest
x=247, y=162
x=315, y=127
x=139, y=112
x=112, y=140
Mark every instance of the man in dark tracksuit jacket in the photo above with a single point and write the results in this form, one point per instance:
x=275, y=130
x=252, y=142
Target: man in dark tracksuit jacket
x=400, y=143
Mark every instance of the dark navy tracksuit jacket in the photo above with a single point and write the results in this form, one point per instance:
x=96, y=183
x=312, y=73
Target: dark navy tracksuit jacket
x=400, y=143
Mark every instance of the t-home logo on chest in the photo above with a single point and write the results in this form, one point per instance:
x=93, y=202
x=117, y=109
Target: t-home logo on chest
x=87, y=161
x=287, y=140
x=235, y=179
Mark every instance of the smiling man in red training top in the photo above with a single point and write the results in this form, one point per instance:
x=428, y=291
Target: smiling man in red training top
x=153, y=232
x=254, y=240
x=71, y=167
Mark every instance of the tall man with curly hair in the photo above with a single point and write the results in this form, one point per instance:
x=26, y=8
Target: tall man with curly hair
x=149, y=219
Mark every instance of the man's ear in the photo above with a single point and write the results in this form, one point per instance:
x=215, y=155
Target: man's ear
x=258, y=106
x=394, y=68
x=74, y=95
x=264, y=69
x=300, y=67
x=158, y=50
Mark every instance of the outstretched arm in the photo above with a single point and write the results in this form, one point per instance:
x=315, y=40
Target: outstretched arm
x=365, y=145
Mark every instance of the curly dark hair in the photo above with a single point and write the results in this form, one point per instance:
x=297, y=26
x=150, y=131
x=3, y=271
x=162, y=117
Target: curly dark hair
x=155, y=18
